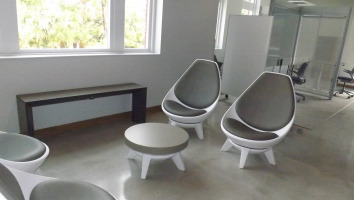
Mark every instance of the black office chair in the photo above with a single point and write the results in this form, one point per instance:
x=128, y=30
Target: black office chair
x=219, y=64
x=297, y=75
x=345, y=79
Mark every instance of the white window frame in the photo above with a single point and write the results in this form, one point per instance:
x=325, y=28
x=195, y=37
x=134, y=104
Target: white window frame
x=220, y=24
x=9, y=41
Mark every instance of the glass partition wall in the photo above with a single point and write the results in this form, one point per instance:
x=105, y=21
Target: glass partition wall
x=283, y=38
x=320, y=41
x=308, y=34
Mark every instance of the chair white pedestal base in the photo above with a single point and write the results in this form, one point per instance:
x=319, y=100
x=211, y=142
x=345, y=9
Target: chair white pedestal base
x=176, y=158
x=245, y=151
x=198, y=127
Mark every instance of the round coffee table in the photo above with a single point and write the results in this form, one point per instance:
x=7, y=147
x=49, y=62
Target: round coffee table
x=156, y=141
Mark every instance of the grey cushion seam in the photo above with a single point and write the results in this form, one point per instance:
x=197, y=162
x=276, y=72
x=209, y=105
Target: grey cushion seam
x=32, y=148
x=178, y=101
x=253, y=135
x=170, y=106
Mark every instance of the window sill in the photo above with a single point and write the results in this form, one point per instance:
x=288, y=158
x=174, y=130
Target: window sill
x=76, y=54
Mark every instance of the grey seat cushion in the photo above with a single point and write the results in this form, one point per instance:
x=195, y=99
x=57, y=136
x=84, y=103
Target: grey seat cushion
x=199, y=86
x=269, y=103
x=178, y=109
x=20, y=148
x=240, y=130
x=9, y=186
x=68, y=190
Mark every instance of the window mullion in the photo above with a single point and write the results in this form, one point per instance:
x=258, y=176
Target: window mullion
x=10, y=40
x=150, y=24
x=8, y=27
x=117, y=25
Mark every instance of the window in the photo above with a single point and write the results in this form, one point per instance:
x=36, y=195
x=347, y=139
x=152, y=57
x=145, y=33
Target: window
x=57, y=26
x=136, y=23
x=231, y=7
x=246, y=12
x=250, y=7
x=220, y=24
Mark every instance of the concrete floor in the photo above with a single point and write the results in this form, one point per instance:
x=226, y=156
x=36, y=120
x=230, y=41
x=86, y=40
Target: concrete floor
x=311, y=164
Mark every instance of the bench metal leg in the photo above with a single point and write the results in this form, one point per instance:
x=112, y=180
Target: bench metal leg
x=139, y=106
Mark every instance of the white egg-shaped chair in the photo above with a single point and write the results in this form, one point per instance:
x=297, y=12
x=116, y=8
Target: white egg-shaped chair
x=261, y=117
x=194, y=96
x=19, y=185
x=22, y=152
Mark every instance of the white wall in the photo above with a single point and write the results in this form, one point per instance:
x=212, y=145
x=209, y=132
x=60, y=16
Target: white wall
x=187, y=33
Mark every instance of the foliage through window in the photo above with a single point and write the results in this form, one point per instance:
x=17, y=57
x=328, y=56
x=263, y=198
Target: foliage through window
x=135, y=23
x=84, y=24
x=63, y=23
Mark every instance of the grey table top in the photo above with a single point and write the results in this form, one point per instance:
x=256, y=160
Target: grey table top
x=156, y=138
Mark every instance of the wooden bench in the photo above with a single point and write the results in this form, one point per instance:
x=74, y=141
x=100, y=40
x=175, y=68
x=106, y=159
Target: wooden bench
x=25, y=102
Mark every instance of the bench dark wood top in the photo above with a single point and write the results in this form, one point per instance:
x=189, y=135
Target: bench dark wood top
x=84, y=93
x=25, y=102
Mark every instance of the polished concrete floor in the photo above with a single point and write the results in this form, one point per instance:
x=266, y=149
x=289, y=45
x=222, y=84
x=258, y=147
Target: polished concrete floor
x=311, y=164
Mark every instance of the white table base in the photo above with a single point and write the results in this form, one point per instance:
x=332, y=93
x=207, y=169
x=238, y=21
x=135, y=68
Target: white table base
x=176, y=157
